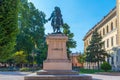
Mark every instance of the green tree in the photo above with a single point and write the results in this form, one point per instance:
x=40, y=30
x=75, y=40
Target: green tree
x=81, y=58
x=24, y=41
x=70, y=43
x=106, y=66
x=31, y=38
x=95, y=51
x=8, y=27
x=20, y=58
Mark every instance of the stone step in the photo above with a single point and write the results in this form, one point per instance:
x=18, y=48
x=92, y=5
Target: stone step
x=57, y=72
x=57, y=77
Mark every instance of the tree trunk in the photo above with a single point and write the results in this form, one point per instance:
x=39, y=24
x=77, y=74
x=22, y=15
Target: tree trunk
x=98, y=65
x=22, y=65
x=89, y=65
x=93, y=65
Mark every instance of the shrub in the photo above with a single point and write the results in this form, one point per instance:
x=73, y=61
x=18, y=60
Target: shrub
x=25, y=69
x=106, y=66
x=29, y=69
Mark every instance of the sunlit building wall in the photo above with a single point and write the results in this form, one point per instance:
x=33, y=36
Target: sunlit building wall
x=109, y=29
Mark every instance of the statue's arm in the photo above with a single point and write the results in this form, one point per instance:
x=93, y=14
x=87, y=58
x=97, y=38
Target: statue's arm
x=51, y=16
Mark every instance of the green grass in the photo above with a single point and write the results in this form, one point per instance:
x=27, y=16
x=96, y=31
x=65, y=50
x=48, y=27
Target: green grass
x=90, y=71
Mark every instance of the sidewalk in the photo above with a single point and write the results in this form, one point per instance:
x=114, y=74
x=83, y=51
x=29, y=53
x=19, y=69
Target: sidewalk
x=106, y=76
x=13, y=75
x=109, y=73
x=20, y=76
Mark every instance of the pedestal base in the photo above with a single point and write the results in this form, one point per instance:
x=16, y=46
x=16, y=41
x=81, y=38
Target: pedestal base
x=57, y=77
x=57, y=72
x=57, y=65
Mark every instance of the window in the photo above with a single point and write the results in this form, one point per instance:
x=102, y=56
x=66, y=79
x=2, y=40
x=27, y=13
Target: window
x=112, y=26
x=107, y=43
x=108, y=60
x=116, y=23
x=116, y=58
x=103, y=44
x=88, y=42
x=112, y=60
x=107, y=29
x=100, y=33
x=112, y=41
x=103, y=31
x=116, y=38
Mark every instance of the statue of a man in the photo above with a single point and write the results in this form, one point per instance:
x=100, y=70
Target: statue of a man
x=57, y=21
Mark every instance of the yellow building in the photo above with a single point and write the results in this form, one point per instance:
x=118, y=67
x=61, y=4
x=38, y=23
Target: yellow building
x=109, y=29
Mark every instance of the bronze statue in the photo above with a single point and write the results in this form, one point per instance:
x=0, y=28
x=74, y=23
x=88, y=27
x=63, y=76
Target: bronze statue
x=57, y=21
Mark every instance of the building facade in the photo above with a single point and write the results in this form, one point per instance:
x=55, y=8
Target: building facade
x=109, y=29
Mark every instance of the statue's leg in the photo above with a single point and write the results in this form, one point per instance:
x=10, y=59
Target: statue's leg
x=53, y=29
x=58, y=29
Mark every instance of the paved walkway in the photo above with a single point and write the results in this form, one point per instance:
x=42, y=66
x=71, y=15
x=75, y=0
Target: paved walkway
x=20, y=76
x=104, y=77
x=13, y=75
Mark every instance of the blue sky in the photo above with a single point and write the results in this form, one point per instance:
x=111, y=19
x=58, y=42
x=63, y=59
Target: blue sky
x=80, y=15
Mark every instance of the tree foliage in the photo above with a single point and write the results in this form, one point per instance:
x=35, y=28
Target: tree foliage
x=71, y=43
x=20, y=57
x=81, y=58
x=8, y=27
x=95, y=51
x=31, y=38
x=106, y=66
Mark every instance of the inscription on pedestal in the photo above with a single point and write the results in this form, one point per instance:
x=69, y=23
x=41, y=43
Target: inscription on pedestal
x=58, y=49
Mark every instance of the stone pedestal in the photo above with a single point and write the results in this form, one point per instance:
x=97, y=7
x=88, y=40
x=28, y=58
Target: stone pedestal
x=57, y=66
x=57, y=54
